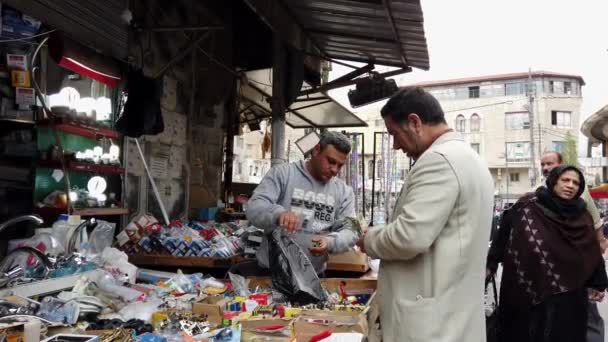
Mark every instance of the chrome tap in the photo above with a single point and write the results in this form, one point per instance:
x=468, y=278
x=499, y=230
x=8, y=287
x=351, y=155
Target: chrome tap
x=33, y=218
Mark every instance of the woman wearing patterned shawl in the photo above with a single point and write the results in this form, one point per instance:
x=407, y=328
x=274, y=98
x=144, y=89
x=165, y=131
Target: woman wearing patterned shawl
x=550, y=257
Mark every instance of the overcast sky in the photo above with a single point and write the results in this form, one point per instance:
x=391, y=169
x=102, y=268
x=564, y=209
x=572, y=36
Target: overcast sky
x=480, y=37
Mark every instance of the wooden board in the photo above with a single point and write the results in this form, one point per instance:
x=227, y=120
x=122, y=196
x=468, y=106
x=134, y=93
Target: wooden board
x=208, y=262
x=176, y=261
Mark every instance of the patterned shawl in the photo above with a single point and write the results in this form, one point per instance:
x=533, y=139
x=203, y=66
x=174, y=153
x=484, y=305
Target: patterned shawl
x=546, y=255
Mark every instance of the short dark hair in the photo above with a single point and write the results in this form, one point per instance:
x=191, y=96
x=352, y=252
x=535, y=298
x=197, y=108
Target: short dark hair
x=560, y=158
x=337, y=140
x=414, y=100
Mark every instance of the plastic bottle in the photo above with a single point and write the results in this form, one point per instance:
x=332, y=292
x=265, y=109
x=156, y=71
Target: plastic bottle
x=61, y=230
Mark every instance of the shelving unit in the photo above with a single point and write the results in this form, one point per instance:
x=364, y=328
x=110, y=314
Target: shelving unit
x=74, y=136
x=80, y=128
x=84, y=167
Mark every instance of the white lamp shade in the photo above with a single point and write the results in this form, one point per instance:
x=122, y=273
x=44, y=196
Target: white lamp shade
x=86, y=105
x=114, y=151
x=96, y=185
x=103, y=107
x=71, y=96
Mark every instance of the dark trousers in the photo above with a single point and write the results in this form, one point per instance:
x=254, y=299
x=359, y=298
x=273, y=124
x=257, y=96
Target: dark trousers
x=595, y=324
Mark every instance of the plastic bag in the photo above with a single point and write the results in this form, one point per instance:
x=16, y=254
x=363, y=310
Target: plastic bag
x=292, y=272
x=117, y=262
x=240, y=284
x=100, y=239
x=180, y=283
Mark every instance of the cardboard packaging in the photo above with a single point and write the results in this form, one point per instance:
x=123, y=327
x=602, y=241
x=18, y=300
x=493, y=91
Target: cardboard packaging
x=213, y=307
x=351, y=261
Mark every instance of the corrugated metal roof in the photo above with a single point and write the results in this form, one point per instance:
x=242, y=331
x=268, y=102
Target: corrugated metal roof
x=97, y=24
x=383, y=32
x=595, y=127
x=498, y=77
x=386, y=32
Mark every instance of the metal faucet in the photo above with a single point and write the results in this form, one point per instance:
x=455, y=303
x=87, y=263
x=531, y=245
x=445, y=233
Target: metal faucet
x=33, y=218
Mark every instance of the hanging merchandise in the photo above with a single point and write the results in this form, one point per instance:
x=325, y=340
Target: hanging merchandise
x=142, y=112
x=266, y=142
x=292, y=272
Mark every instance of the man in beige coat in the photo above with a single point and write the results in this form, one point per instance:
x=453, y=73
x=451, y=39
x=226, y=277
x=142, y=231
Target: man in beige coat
x=433, y=251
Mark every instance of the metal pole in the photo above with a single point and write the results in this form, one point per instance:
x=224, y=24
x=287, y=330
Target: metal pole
x=363, y=169
x=531, y=119
x=371, y=224
x=278, y=102
x=152, y=183
x=604, y=168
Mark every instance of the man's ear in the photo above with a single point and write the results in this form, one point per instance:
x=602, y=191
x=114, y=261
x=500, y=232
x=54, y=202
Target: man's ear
x=414, y=122
x=316, y=150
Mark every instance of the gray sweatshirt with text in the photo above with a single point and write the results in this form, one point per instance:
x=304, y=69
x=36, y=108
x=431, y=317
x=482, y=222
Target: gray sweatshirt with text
x=290, y=187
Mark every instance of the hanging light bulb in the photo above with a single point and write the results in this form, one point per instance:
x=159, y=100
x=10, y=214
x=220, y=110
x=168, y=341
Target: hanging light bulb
x=73, y=196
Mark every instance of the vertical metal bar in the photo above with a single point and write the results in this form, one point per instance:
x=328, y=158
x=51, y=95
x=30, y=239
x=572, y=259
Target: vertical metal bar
x=363, y=169
x=371, y=224
x=152, y=183
x=278, y=102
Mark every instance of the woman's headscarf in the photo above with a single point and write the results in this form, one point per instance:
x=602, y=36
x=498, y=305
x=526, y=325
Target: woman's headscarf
x=566, y=209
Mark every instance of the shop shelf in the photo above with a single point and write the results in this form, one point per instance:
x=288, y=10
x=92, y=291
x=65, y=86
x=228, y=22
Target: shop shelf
x=100, y=211
x=6, y=123
x=84, y=167
x=208, y=262
x=80, y=128
x=52, y=212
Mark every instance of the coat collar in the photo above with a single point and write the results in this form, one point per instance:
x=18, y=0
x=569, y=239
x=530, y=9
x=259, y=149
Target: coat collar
x=449, y=136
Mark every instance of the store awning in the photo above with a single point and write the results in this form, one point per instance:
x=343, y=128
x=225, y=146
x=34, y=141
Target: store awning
x=315, y=110
x=385, y=32
x=596, y=126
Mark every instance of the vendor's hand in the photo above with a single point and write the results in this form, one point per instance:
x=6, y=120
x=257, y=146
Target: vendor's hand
x=288, y=221
x=319, y=246
x=596, y=296
x=603, y=245
x=361, y=243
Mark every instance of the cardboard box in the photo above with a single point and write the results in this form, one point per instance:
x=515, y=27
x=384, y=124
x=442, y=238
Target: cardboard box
x=351, y=261
x=213, y=307
x=314, y=322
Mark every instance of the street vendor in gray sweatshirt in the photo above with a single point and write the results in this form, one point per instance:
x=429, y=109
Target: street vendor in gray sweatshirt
x=307, y=199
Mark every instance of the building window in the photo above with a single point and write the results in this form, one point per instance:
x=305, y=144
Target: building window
x=558, y=146
x=518, y=151
x=560, y=119
x=475, y=123
x=551, y=87
x=460, y=123
x=568, y=88
x=370, y=169
x=474, y=92
x=380, y=170
x=517, y=120
x=475, y=147
x=513, y=89
x=514, y=177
